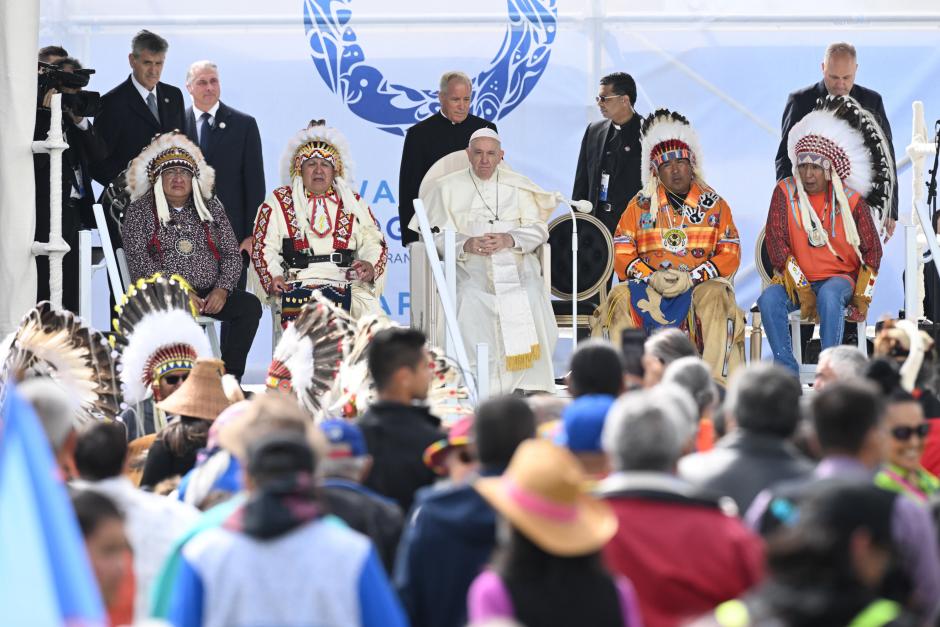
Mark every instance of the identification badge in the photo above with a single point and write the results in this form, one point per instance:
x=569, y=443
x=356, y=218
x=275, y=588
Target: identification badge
x=605, y=183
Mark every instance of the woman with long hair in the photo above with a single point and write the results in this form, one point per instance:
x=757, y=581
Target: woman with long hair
x=548, y=570
x=196, y=403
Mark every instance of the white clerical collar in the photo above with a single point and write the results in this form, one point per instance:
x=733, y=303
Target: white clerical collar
x=616, y=126
x=451, y=121
x=143, y=91
x=198, y=112
x=489, y=181
x=178, y=209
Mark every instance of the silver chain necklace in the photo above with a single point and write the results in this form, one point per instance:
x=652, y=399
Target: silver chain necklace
x=488, y=208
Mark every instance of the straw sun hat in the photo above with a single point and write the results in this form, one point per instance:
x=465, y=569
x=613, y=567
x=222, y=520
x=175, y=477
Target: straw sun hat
x=201, y=394
x=541, y=495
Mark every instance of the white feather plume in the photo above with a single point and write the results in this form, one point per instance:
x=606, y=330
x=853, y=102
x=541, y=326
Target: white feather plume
x=841, y=133
x=138, y=180
x=149, y=335
x=664, y=128
x=326, y=134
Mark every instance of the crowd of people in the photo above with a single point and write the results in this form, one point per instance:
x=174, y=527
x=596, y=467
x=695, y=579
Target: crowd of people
x=662, y=501
x=673, y=483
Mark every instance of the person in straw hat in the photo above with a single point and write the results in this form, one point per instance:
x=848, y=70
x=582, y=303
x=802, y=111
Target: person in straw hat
x=197, y=403
x=176, y=225
x=548, y=570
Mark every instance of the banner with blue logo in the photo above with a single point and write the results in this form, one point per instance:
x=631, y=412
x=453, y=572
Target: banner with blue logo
x=371, y=68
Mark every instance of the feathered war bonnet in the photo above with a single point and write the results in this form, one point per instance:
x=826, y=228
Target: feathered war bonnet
x=319, y=141
x=308, y=356
x=845, y=140
x=166, y=151
x=57, y=344
x=664, y=136
x=157, y=334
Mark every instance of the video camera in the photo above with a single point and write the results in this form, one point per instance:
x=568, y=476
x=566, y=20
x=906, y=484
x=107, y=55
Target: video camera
x=81, y=103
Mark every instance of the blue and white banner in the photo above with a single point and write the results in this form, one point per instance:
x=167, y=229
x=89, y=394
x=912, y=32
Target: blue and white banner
x=371, y=68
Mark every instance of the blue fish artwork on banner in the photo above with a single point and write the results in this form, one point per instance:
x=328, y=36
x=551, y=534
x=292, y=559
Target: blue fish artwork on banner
x=341, y=62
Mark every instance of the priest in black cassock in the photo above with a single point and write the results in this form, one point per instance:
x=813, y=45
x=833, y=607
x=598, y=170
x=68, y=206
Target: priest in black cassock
x=433, y=138
x=608, y=171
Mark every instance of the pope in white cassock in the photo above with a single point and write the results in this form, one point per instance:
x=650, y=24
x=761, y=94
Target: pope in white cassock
x=500, y=221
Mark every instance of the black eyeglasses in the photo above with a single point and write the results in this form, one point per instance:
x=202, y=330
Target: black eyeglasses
x=173, y=379
x=600, y=99
x=903, y=434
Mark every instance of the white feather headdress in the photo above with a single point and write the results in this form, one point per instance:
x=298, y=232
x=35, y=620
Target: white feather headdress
x=157, y=330
x=309, y=354
x=841, y=134
x=663, y=131
x=845, y=140
x=317, y=137
x=171, y=150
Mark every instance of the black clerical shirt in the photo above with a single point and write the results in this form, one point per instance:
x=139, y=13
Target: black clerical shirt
x=621, y=160
x=425, y=143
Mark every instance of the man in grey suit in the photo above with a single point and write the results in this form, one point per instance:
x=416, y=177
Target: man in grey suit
x=608, y=171
x=231, y=143
x=839, y=66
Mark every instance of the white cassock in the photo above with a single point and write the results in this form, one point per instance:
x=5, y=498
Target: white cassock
x=501, y=298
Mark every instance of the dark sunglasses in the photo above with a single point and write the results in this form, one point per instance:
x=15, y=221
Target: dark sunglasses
x=903, y=434
x=173, y=379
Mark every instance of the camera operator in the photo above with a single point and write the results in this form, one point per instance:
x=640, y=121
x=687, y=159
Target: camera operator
x=59, y=73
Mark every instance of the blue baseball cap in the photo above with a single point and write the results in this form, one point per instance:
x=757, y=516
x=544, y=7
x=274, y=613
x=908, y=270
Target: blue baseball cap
x=582, y=422
x=345, y=439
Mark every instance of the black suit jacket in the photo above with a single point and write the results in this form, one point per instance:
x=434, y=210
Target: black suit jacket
x=235, y=152
x=126, y=125
x=587, y=178
x=802, y=101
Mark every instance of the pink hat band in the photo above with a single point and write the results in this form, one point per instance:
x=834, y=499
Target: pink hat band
x=539, y=505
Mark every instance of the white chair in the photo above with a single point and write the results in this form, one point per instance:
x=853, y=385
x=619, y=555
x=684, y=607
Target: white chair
x=765, y=270
x=427, y=312
x=120, y=278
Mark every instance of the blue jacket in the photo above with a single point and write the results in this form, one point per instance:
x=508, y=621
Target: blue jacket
x=449, y=538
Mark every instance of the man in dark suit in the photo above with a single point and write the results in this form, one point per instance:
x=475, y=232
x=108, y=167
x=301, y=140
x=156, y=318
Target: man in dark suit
x=432, y=138
x=231, y=143
x=136, y=110
x=608, y=171
x=838, y=67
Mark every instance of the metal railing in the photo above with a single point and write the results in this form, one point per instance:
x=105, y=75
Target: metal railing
x=445, y=282
x=56, y=247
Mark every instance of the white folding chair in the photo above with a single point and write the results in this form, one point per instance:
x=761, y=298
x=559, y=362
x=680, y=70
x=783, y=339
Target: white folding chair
x=765, y=270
